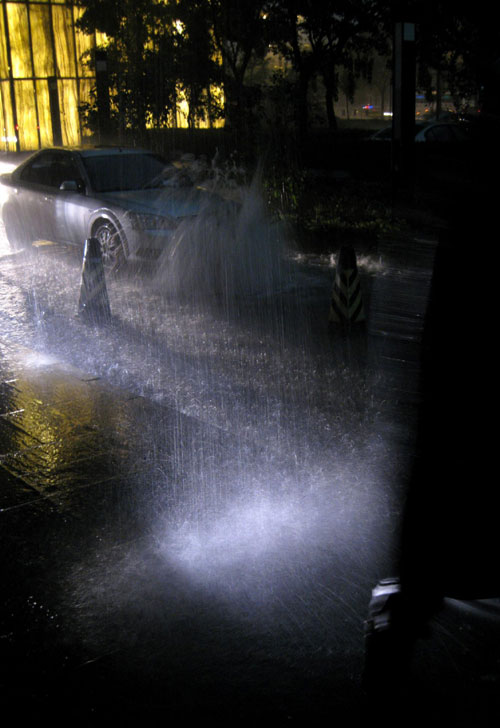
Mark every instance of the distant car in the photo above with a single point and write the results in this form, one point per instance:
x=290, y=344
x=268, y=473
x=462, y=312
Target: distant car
x=131, y=200
x=440, y=132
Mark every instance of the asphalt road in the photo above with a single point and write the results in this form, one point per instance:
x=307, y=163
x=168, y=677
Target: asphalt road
x=202, y=542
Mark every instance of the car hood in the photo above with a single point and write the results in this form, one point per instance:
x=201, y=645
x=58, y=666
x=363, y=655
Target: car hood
x=174, y=202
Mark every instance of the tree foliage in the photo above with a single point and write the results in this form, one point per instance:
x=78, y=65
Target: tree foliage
x=160, y=51
x=458, y=49
x=240, y=36
x=327, y=39
x=139, y=51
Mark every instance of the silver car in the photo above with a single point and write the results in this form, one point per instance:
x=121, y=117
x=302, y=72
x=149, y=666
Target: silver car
x=132, y=200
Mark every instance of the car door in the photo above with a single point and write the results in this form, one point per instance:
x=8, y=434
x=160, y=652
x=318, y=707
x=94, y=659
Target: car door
x=34, y=196
x=46, y=204
x=70, y=203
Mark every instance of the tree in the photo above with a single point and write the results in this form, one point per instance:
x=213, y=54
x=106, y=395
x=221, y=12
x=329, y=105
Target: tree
x=289, y=38
x=158, y=51
x=381, y=77
x=140, y=46
x=240, y=37
x=344, y=35
x=324, y=39
x=457, y=49
x=196, y=66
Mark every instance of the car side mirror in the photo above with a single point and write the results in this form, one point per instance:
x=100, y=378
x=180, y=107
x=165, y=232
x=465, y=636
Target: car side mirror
x=71, y=185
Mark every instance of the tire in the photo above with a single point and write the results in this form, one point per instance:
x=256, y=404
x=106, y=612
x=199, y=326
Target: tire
x=14, y=230
x=112, y=249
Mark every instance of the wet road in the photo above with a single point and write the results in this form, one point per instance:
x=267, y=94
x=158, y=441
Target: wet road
x=197, y=500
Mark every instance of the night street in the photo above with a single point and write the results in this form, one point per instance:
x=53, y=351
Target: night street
x=197, y=498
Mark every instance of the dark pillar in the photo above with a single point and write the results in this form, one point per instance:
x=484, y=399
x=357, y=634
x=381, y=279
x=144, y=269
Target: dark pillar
x=403, y=120
x=11, y=78
x=54, y=112
x=103, y=103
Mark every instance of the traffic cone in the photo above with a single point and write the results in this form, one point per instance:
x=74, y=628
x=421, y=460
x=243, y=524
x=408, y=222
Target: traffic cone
x=94, y=302
x=347, y=303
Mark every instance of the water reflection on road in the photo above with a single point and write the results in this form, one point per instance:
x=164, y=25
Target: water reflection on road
x=252, y=465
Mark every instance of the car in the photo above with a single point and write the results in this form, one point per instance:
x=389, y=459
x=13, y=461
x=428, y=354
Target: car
x=131, y=200
x=385, y=134
x=442, y=132
x=435, y=132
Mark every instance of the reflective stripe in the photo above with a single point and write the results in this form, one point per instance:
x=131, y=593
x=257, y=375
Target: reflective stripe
x=347, y=302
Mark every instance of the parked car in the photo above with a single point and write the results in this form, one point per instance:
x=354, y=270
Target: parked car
x=131, y=200
x=438, y=132
x=442, y=132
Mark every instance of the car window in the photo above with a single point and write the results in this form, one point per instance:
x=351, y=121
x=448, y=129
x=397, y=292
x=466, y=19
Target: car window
x=119, y=172
x=63, y=170
x=38, y=171
x=50, y=169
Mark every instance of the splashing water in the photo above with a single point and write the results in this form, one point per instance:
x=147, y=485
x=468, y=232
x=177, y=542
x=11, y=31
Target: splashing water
x=231, y=249
x=292, y=480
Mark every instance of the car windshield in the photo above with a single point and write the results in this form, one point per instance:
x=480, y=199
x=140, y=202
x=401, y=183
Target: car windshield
x=120, y=172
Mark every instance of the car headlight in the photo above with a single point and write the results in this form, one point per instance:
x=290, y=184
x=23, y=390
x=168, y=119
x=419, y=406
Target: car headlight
x=145, y=221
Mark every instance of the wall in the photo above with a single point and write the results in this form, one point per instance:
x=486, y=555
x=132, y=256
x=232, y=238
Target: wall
x=42, y=79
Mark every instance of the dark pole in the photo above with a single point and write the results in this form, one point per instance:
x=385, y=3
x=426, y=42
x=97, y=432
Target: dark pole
x=403, y=120
x=11, y=78
x=55, y=111
x=102, y=89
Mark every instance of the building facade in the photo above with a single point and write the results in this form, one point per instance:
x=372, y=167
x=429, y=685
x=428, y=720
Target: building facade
x=43, y=80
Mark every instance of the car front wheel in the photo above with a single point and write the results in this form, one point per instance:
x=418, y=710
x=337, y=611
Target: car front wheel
x=113, y=255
